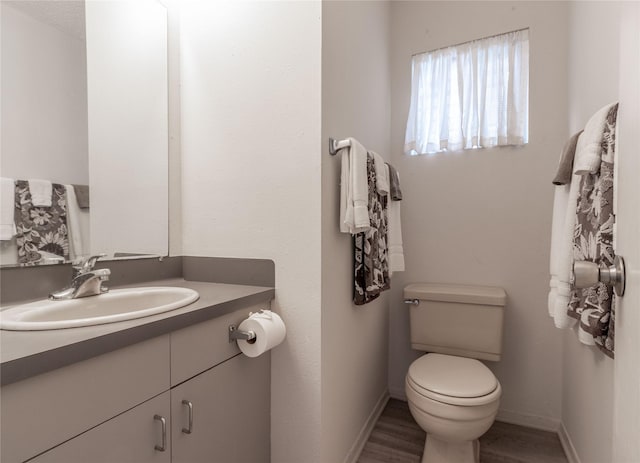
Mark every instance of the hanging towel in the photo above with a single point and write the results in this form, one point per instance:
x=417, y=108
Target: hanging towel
x=396, y=250
x=589, y=161
x=354, y=192
x=7, y=201
x=594, y=307
x=559, y=248
x=82, y=195
x=39, y=228
x=75, y=230
x=562, y=245
x=371, y=267
x=583, y=336
x=382, y=174
x=565, y=166
x=394, y=184
x=41, y=191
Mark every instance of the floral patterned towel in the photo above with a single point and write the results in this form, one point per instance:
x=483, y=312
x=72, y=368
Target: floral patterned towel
x=40, y=228
x=371, y=267
x=593, y=241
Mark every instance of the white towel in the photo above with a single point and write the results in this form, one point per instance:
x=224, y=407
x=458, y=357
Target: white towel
x=589, y=160
x=559, y=287
x=41, y=192
x=583, y=336
x=394, y=236
x=354, y=189
x=75, y=219
x=382, y=174
x=7, y=205
x=345, y=192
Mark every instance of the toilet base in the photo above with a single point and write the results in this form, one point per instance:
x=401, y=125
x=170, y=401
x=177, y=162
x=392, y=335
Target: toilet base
x=439, y=451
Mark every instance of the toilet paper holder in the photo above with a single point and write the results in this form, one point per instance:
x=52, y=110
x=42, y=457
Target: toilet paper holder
x=235, y=334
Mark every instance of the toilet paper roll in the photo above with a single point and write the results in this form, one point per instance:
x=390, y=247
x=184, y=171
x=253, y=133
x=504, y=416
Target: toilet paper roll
x=269, y=329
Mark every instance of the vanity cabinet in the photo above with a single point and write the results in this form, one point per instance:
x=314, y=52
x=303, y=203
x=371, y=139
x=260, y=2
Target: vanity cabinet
x=102, y=410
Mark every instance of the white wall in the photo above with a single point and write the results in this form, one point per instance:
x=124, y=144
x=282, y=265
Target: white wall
x=174, y=127
x=251, y=177
x=355, y=102
x=587, y=389
x=44, y=101
x=484, y=217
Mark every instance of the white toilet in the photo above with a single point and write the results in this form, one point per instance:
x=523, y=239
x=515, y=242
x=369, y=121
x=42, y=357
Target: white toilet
x=452, y=396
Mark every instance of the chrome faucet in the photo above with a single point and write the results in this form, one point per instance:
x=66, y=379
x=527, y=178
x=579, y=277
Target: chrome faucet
x=86, y=281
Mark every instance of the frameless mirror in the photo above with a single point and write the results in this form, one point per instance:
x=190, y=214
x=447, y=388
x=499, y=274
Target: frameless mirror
x=84, y=106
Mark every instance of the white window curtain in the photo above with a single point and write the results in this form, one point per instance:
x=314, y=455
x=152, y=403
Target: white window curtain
x=473, y=95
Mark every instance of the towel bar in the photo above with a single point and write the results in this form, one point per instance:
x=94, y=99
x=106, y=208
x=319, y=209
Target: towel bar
x=335, y=145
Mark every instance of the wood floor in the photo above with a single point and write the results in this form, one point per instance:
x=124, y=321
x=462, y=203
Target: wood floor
x=397, y=438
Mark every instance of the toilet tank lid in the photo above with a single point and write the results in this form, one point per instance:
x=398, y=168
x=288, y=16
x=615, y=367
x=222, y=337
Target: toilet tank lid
x=485, y=295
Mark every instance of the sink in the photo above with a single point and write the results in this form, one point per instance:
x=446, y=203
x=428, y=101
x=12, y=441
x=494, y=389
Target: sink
x=115, y=306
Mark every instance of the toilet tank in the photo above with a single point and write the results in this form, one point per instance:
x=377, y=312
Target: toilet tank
x=457, y=319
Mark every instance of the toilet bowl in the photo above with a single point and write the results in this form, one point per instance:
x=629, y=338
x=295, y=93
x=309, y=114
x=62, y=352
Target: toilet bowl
x=455, y=400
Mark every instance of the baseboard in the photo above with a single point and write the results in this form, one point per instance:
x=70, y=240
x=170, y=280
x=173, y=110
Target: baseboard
x=530, y=421
x=399, y=394
x=567, y=445
x=363, y=436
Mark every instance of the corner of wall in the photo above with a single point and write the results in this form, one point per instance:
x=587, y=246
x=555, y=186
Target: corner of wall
x=175, y=116
x=567, y=445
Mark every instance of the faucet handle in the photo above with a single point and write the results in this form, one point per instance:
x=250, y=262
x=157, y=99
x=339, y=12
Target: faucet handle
x=103, y=275
x=86, y=264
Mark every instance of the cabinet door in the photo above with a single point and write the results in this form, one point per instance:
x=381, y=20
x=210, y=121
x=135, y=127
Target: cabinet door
x=231, y=414
x=131, y=437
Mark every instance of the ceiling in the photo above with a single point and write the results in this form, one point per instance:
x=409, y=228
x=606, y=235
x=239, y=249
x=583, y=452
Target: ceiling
x=66, y=15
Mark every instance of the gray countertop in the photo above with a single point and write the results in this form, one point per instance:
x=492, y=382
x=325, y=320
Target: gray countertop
x=27, y=353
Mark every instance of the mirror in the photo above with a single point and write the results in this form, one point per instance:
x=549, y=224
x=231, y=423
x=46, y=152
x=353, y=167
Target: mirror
x=84, y=106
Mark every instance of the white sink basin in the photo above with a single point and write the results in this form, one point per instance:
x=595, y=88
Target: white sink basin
x=115, y=306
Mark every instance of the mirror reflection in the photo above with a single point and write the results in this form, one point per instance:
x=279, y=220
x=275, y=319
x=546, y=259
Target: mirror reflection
x=84, y=130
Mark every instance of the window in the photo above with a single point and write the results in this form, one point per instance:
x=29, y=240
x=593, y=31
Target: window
x=473, y=95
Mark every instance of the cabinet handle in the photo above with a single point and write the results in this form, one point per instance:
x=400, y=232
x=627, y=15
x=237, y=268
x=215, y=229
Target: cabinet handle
x=190, y=407
x=163, y=421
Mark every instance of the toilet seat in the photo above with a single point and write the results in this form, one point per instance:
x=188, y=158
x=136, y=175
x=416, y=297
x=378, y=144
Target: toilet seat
x=453, y=380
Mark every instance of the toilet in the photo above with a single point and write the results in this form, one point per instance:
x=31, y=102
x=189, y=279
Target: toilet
x=451, y=394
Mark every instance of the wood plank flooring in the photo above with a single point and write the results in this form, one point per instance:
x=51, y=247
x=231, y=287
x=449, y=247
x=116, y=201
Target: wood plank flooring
x=397, y=438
